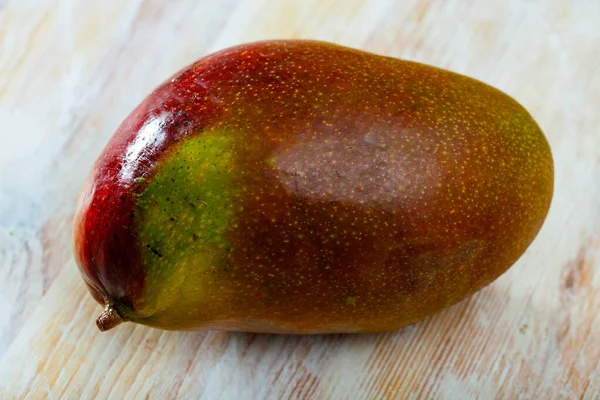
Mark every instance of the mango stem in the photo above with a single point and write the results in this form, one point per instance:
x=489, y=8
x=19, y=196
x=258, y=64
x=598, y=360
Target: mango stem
x=109, y=318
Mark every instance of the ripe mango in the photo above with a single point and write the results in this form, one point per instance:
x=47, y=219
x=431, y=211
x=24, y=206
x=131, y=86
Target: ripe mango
x=305, y=187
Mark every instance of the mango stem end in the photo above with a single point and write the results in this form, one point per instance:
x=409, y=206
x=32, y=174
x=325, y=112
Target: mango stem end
x=109, y=318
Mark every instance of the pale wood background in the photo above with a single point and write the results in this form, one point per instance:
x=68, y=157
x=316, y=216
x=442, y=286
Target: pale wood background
x=71, y=70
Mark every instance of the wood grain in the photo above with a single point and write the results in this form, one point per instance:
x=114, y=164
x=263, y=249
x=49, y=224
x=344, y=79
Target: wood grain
x=71, y=70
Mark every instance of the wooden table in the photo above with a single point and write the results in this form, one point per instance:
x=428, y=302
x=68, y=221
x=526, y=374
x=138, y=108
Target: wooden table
x=71, y=70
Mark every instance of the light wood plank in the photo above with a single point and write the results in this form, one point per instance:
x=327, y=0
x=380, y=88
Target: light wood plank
x=71, y=70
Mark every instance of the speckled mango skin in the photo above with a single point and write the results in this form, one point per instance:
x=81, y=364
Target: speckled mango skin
x=305, y=187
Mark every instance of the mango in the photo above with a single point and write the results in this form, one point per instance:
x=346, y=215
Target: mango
x=304, y=187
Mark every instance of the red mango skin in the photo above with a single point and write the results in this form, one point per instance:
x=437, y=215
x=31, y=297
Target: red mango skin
x=365, y=193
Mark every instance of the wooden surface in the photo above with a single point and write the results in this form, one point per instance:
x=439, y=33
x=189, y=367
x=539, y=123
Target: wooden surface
x=70, y=71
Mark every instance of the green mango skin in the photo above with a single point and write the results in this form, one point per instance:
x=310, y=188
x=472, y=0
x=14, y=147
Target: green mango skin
x=304, y=187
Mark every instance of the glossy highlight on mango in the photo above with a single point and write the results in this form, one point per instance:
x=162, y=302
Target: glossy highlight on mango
x=304, y=187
